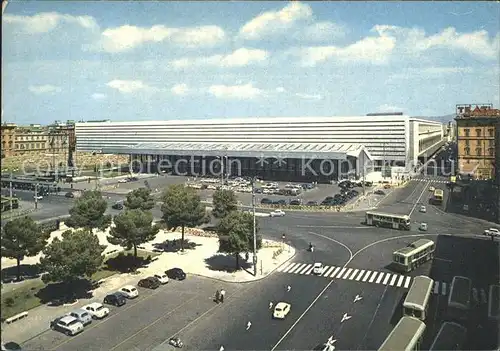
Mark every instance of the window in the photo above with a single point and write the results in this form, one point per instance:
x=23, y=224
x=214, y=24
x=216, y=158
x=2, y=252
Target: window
x=491, y=151
x=467, y=132
x=478, y=132
x=467, y=142
x=17, y=146
x=479, y=151
x=492, y=143
x=491, y=132
x=467, y=150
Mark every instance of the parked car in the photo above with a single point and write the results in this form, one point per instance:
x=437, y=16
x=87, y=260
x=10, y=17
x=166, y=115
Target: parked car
x=311, y=203
x=279, y=202
x=266, y=201
x=176, y=274
x=295, y=202
x=162, y=278
x=277, y=213
x=116, y=299
x=492, y=232
x=67, y=325
x=379, y=192
x=82, y=315
x=11, y=346
x=281, y=310
x=129, y=291
x=69, y=195
x=149, y=283
x=96, y=310
x=117, y=206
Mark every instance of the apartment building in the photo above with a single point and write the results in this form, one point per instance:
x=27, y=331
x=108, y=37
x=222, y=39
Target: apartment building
x=477, y=138
x=8, y=139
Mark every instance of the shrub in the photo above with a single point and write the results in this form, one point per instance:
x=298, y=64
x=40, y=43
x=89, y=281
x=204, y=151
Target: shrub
x=9, y=302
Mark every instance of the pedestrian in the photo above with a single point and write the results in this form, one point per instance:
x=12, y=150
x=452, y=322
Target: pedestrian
x=249, y=324
x=288, y=288
x=222, y=295
x=221, y=348
x=270, y=304
x=217, y=296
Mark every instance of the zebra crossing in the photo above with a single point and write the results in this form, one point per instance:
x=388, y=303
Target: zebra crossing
x=360, y=275
x=430, y=180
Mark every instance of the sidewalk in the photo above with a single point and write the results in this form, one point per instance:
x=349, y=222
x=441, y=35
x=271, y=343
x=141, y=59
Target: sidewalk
x=203, y=260
x=370, y=200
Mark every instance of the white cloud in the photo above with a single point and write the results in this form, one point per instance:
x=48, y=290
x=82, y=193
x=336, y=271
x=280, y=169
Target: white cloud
x=180, y=89
x=390, y=108
x=128, y=37
x=321, y=31
x=415, y=40
x=431, y=72
x=98, y=96
x=47, y=21
x=274, y=22
x=280, y=90
x=128, y=86
x=246, y=91
x=239, y=58
x=309, y=96
x=374, y=50
x=44, y=89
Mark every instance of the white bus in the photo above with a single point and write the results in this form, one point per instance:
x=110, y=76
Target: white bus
x=459, y=300
x=406, y=335
x=417, y=300
x=451, y=336
x=394, y=221
x=412, y=256
x=494, y=303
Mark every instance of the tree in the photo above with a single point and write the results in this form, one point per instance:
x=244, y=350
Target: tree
x=77, y=255
x=236, y=234
x=22, y=237
x=224, y=202
x=88, y=212
x=140, y=199
x=182, y=207
x=132, y=228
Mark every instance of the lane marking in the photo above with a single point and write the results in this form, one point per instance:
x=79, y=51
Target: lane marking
x=347, y=273
x=393, y=280
x=366, y=275
x=335, y=272
x=298, y=268
x=373, y=319
x=436, y=287
x=407, y=282
x=400, y=281
x=360, y=274
x=328, y=271
x=354, y=274
x=331, y=226
x=286, y=265
x=444, y=288
x=372, y=278
x=302, y=271
x=386, y=278
x=309, y=270
x=380, y=276
x=287, y=270
x=341, y=273
x=418, y=200
x=351, y=256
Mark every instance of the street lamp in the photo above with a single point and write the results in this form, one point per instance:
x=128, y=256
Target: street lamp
x=254, y=230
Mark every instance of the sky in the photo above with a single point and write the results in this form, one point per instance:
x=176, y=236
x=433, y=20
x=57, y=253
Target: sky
x=126, y=61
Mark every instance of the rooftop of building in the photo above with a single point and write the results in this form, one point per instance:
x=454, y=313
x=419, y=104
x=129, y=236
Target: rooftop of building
x=469, y=111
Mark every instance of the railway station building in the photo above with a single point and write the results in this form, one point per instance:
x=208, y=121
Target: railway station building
x=285, y=148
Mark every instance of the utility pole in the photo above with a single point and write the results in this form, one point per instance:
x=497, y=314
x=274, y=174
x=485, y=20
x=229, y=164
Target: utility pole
x=36, y=196
x=221, y=171
x=10, y=192
x=383, y=161
x=363, y=170
x=254, y=230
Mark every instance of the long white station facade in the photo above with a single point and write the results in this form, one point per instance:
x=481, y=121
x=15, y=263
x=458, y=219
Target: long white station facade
x=396, y=139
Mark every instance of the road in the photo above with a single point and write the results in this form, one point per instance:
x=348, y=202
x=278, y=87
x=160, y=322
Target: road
x=356, y=259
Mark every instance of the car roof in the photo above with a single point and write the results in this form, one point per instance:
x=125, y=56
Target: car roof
x=93, y=304
x=318, y=264
x=130, y=287
x=79, y=311
x=67, y=319
x=282, y=304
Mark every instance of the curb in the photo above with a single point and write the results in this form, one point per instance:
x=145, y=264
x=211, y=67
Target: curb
x=246, y=281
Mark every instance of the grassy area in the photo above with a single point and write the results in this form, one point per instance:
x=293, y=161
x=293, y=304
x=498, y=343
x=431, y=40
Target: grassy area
x=27, y=295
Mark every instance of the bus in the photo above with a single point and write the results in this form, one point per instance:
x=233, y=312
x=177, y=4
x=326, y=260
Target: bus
x=394, y=221
x=414, y=255
x=494, y=303
x=438, y=197
x=459, y=300
x=451, y=336
x=406, y=335
x=417, y=300
x=6, y=203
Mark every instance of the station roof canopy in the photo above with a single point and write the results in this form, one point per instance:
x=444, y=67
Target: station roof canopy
x=276, y=150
